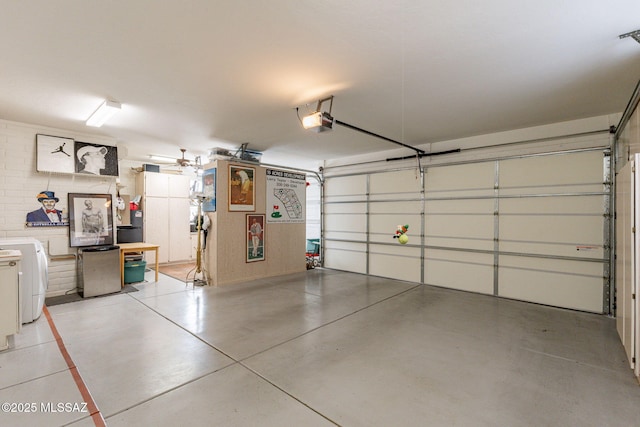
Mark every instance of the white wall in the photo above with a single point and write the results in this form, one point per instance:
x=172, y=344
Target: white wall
x=19, y=185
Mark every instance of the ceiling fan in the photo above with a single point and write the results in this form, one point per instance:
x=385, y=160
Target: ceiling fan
x=182, y=161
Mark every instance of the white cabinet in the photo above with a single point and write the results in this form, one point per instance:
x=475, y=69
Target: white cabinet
x=180, y=237
x=166, y=207
x=155, y=227
x=9, y=296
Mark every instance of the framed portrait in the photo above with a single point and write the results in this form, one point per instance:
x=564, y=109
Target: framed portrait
x=209, y=190
x=54, y=154
x=255, y=237
x=95, y=159
x=90, y=220
x=47, y=214
x=242, y=191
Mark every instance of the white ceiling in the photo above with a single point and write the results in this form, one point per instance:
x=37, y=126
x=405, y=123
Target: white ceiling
x=204, y=73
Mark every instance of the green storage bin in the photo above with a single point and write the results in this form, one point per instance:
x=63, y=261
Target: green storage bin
x=134, y=271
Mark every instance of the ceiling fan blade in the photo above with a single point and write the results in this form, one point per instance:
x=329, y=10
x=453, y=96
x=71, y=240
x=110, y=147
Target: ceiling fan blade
x=182, y=161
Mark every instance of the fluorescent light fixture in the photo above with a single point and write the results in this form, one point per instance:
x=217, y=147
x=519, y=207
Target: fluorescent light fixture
x=104, y=112
x=318, y=121
x=162, y=158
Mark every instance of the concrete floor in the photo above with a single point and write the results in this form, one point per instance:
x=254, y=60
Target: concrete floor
x=318, y=348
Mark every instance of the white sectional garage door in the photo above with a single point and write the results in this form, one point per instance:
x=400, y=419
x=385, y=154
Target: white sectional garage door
x=532, y=228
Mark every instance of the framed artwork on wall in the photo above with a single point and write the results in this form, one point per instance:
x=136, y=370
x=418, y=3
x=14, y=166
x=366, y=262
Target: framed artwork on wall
x=90, y=220
x=54, y=154
x=95, y=159
x=242, y=191
x=66, y=155
x=209, y=190
x=255, y=237
x=48, y=214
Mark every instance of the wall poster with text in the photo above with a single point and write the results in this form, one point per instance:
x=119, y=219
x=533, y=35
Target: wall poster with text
x=286, y=196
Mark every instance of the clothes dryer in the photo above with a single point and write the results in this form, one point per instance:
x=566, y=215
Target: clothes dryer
x=35, y=274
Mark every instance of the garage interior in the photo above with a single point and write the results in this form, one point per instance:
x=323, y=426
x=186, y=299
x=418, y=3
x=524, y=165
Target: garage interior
x=504, y=142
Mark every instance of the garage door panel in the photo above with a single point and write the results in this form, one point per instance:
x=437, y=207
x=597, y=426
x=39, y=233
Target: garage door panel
x=553, y=249
x=342, y=222
x=345, y=208
x=395, y=261
x=579, y=230
x=459, y=270
x=567, y=205
x=345, y=235
x=571, y=169
x=396, y=207
x=570, y=284
x=347, y=256
x=465, y=206
x=396, y=183
x=459, y=243
x=470, y=226
x=461, y=180
x=551, y=190
x=355, y=185
x=386, y=225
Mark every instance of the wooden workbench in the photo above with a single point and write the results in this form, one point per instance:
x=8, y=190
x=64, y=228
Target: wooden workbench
x=135, y=247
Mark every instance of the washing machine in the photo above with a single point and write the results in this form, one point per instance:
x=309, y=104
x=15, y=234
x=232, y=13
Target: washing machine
x=35, y=274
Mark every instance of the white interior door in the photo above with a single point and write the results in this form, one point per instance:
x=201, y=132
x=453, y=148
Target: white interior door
x=633, y=301
x=624, y=257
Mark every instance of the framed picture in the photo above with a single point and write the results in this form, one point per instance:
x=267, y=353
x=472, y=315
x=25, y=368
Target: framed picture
x=209, y=190
x=90, y=220
x=255, y=237
x=47, y=214
x=242, y=191
x=95, y=159
x=54, y=154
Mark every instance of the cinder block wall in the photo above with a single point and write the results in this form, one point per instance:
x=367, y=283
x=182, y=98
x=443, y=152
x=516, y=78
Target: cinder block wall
x=19, y=185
